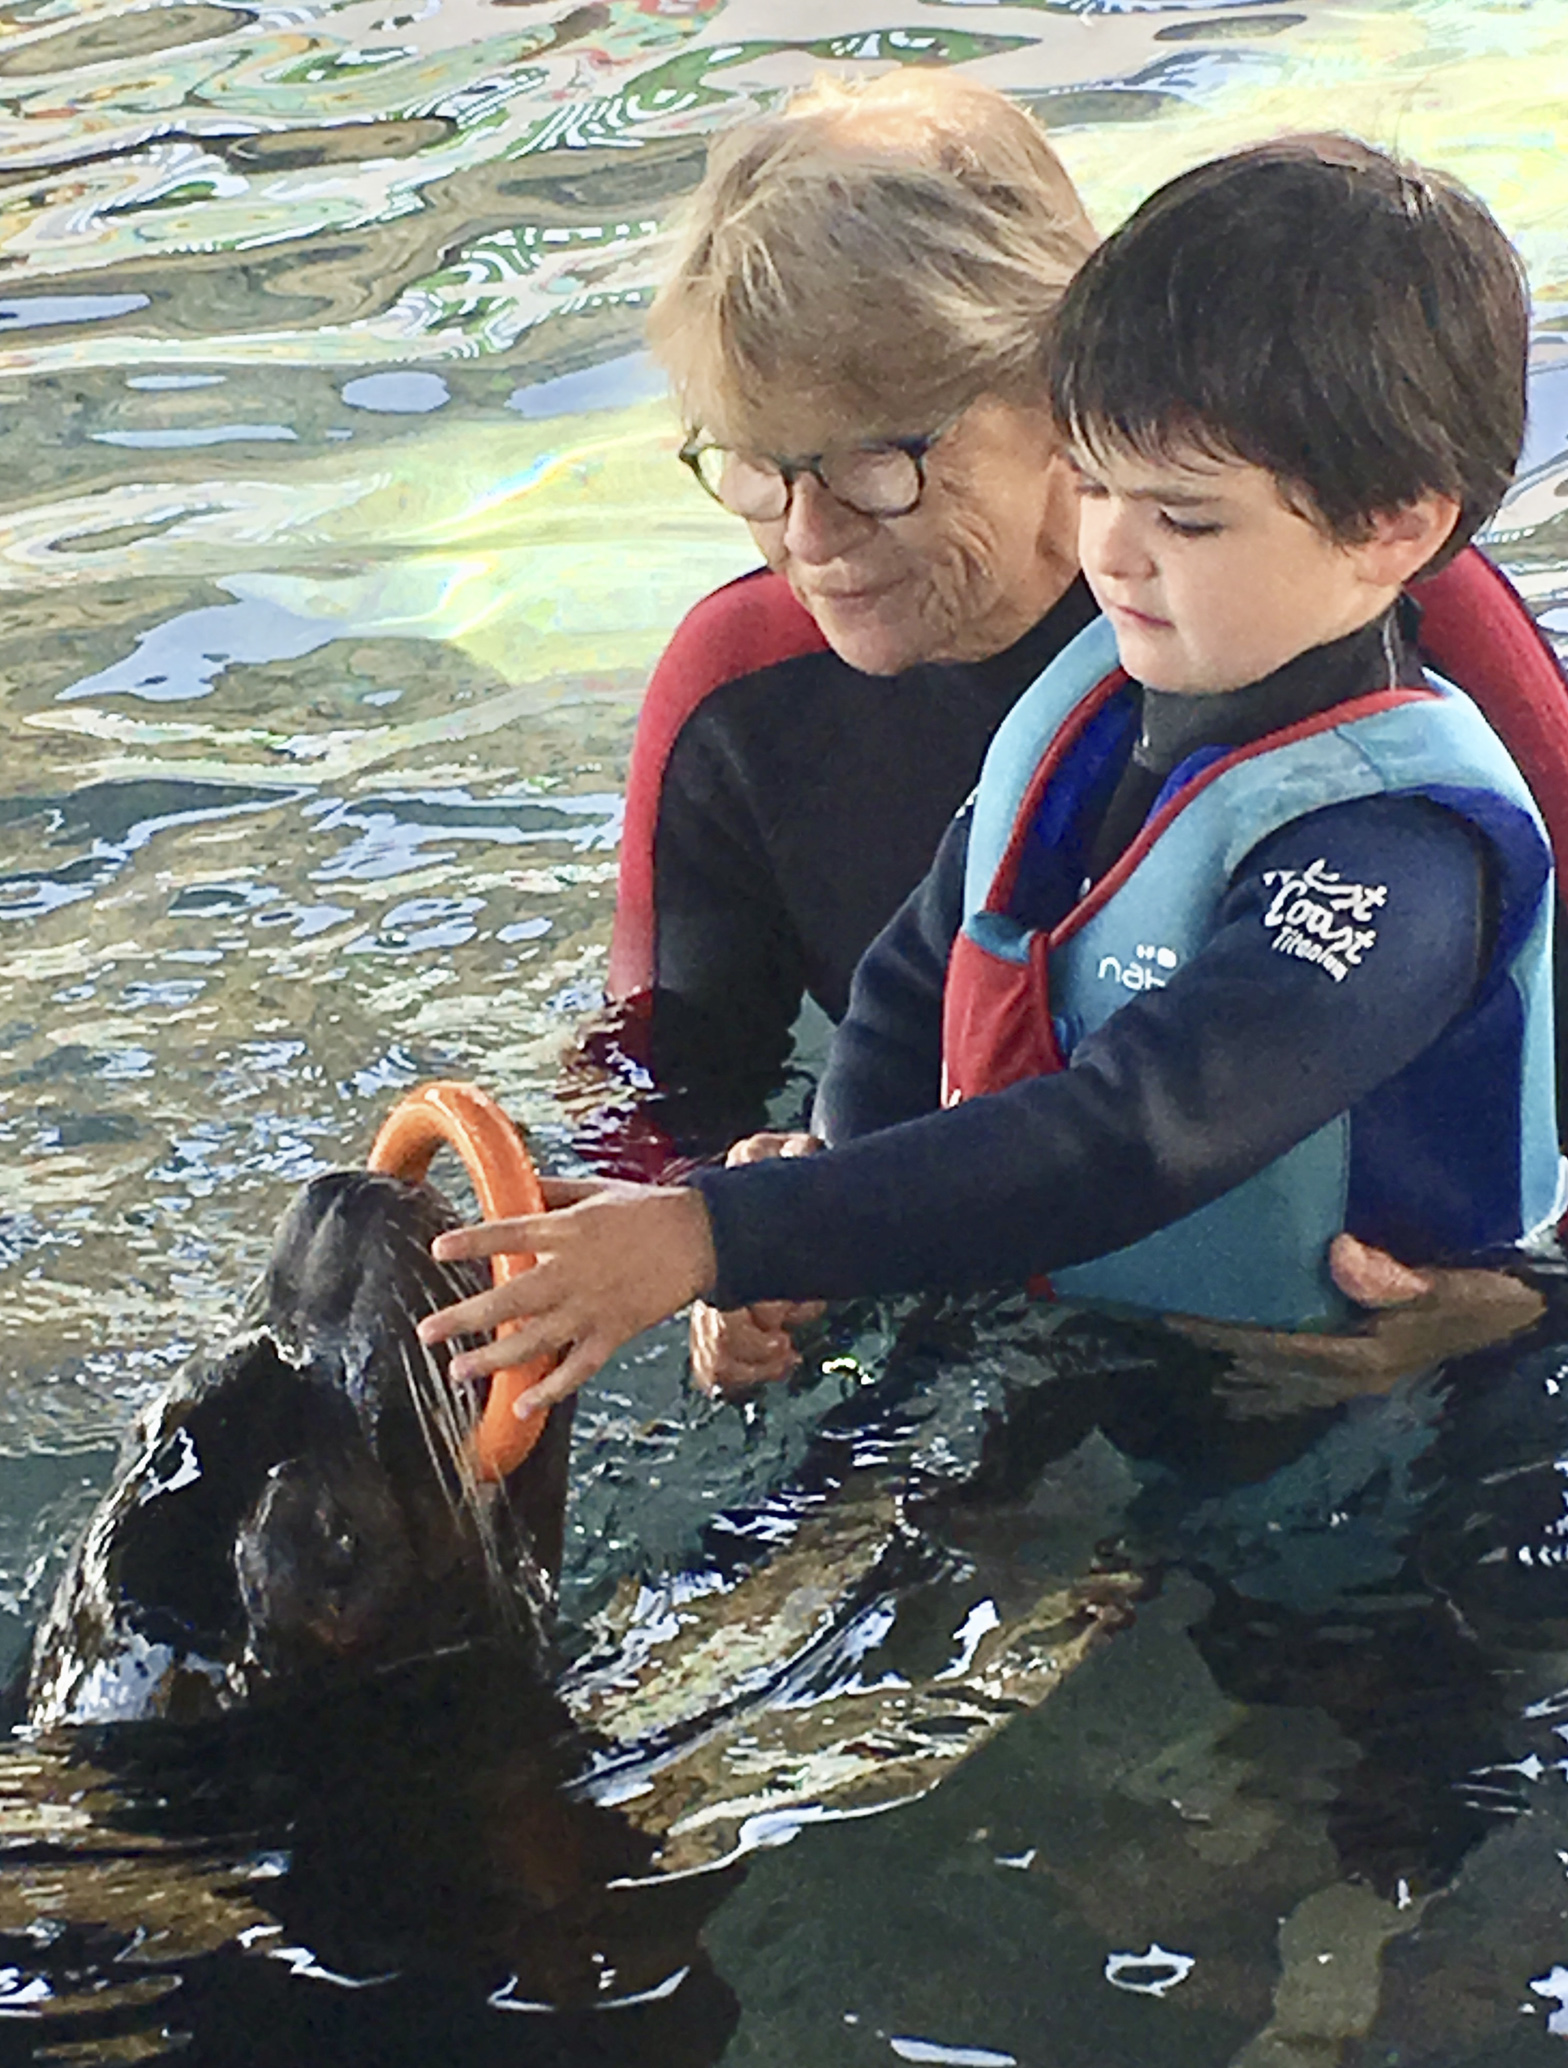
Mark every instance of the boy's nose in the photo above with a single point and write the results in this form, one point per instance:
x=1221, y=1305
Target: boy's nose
x=817, y=526
x=1113, y=539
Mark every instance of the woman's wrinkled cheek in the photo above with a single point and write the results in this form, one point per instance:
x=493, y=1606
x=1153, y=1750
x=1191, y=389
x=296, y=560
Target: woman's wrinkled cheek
x=961, y=578
x=938, y=578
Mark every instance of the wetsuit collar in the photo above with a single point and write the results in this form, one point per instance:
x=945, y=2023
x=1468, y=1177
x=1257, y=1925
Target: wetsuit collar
x=1176, y=724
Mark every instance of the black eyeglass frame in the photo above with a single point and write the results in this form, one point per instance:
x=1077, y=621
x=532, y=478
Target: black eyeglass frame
x=789, y=470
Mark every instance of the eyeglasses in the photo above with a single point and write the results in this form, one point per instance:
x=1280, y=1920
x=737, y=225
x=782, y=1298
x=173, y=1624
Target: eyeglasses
x=885, y=479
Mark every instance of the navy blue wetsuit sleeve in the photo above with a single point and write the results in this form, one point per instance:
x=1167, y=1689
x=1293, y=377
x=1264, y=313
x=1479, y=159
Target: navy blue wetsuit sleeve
x=886, y=1061
x=1182, y=1094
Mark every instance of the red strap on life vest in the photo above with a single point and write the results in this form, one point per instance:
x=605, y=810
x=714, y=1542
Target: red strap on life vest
x=1477, y=630
x=996, y=1020
x=750, y=623
x=999, y=896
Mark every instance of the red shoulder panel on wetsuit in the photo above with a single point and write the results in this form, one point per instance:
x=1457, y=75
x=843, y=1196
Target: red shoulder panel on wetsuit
x=750, y=623
x=1477, y=630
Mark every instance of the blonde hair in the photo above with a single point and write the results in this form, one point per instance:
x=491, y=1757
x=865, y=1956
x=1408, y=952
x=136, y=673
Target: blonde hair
x=897, y=246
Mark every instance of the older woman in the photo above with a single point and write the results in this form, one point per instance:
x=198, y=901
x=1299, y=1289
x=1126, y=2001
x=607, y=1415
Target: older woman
x=853, y=328
x=855, y=325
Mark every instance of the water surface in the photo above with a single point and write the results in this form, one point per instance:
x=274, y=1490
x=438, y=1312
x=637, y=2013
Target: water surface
x=339, y=531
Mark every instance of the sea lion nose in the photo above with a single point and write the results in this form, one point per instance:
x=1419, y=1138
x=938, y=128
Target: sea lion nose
x=338, y=1626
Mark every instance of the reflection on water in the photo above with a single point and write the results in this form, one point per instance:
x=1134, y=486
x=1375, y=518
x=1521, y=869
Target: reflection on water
x=339, y=532
x=1239, y=1696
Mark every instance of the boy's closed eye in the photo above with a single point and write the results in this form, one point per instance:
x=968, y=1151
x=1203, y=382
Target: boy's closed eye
x=1172, y=518
x=1084, y=483
x=1189, y=527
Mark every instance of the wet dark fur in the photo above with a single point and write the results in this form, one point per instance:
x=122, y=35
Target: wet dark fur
x=300, y=1505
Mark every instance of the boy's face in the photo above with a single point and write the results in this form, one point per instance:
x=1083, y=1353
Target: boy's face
x=1209, y=578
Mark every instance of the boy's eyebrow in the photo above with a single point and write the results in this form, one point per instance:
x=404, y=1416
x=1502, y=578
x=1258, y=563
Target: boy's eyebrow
x=1183, y=498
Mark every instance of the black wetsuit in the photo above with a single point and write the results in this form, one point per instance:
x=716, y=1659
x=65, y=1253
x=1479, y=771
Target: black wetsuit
x=781, y=805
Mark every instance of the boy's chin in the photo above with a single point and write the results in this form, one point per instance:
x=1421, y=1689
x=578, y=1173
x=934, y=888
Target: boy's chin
x=1148, y=659
x=1154, y=657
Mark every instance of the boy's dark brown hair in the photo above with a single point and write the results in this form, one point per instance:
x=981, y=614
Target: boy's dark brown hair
x=1356, y=325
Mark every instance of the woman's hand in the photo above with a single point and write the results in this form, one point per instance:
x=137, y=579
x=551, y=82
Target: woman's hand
x=1417, y=1319
x=613, y=1259
x=748, y=1346
x=1425, y=1316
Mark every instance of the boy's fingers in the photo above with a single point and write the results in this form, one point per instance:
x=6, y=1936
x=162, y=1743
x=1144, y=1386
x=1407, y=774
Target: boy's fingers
x=467, y=1318
x=525, y=1234
x=572, y=1191
x=518, y=1238
x=522, y=1345
x=578, y=1365
x=470, y=1317
x=531, y=1293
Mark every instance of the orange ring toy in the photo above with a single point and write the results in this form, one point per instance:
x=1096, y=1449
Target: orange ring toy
x=468, y=1120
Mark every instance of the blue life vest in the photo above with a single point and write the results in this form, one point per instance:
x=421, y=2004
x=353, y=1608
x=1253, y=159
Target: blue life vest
x=1456, y=1153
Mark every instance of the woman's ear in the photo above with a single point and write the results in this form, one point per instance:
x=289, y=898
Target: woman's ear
x=1402, y=541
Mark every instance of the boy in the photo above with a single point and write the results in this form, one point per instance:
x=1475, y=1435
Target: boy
x=1245, y=942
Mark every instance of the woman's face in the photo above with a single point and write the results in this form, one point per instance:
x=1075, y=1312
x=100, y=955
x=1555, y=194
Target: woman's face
x=982, y=557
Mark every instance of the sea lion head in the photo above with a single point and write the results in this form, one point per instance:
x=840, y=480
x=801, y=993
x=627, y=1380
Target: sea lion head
x=305, y=1501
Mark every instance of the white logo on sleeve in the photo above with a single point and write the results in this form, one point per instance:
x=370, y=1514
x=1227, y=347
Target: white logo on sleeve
x=1318, y=917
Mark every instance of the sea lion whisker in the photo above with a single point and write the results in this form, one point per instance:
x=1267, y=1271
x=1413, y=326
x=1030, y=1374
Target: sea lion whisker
x=441, y=1426
x=421, y=1658
x=443, y=1282
x=436, y=1414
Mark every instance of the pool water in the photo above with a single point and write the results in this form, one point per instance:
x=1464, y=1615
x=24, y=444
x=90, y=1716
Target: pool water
x=339, y=532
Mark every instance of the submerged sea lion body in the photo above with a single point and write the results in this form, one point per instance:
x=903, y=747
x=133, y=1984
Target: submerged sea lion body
x=302, y=1503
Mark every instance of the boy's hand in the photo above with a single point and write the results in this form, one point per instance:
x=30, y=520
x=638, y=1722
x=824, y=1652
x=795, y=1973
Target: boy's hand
x=613, y=1258
x=748, y=1346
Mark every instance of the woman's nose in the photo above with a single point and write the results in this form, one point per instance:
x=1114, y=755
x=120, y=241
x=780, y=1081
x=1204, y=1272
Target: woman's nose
x=817, y=526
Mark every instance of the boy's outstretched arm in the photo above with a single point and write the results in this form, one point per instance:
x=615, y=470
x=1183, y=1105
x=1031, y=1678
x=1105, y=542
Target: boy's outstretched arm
x=613, y=1259
x=1183, y=1093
